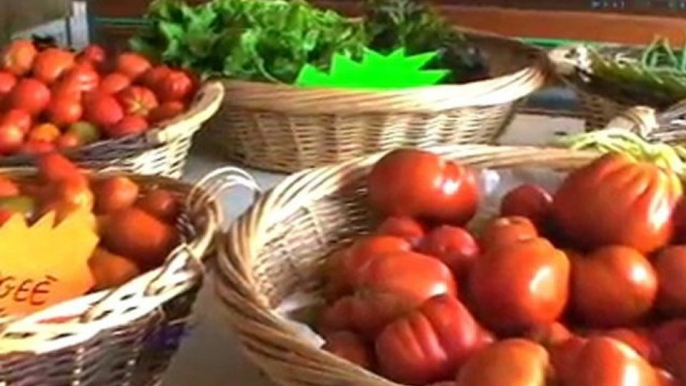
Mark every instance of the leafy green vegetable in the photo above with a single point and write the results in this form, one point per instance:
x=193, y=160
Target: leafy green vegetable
x=415, y=26
x=248, y=39
x=375, y=71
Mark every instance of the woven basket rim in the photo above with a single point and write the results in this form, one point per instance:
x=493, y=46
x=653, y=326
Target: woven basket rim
x=280, y=351
x=496, y=90
x=87, y=315
x=205, y=104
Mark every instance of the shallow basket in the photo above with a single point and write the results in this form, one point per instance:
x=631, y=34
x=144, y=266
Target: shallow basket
x=596, y=108
x=278, y=247
x=126, y=335
x=286, y=128
x=160, y=151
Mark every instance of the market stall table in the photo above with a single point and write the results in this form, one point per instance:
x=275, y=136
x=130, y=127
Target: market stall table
x=211, y=356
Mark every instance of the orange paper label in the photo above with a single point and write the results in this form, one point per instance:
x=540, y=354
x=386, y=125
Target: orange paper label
x=44, y=264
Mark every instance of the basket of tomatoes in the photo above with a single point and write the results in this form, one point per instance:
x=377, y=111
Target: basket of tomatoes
x=464, y=265
x=114, y=264
x=120, y=112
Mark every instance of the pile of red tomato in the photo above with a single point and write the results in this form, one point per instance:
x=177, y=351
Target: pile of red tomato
x=55, y=98
x=585, y=286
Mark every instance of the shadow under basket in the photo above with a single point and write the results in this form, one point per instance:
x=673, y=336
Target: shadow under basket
x=124, y=336
x=279, y=246
x=161, y=151
x=285, y=128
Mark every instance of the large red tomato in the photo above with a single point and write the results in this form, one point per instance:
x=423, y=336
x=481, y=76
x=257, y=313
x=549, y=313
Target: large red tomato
x=176, y=86
x=520, y=285
x=17, y=117
x=429, y=344
x=511, y=362
x=668, y=333
x=84, y=76
x=612, y=287
x=18, y=57
x=11, y=138
x=103, y=110
x=30, y=95
x=417, y=183
x=615, y=200
x=64, y=112
x=114, y=83
x=132, y=65
x=609, y=362
x=129, y=125
x=670, y=266
x=342, y=268
x=675, y=361
x=505, y=230
x=52, y=63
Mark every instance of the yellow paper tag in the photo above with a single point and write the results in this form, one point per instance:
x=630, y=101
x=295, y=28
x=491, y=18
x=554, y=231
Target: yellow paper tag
x=44, y=264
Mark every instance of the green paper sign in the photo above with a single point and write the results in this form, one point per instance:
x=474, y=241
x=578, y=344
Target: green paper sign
x=374, y=71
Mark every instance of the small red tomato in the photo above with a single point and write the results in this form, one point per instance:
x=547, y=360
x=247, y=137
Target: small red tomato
x=452, y=245
x=166, y=111
x=517, y=286
x=68, y=141
x=11, y=139
x=637, y=339
x=7, y=83
x=46, y=132
x=37, y=147
x=52, y=63
x=614, y=286
x=506, y=230
x=530, y=201
x=129, y=125
x=670, y=266
x=114, y=83
x=403, y=227
x=428, y=344
x=132, y=65
x=419, y=184
x=30, y=95
x=93, y=53
x=154, y=76
x=17, y=117
x=176, y=86
x=18, y=57
x=161, y=204
x=86, y=78
x=103, y=110
x=64, y=112
x=510, y=362
x=350, y=347
x=137, y=100
x=67, y=88
x=365, y=313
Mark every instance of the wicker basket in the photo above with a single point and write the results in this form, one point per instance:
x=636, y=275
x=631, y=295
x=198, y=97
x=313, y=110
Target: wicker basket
x=126, y=335
x=285, y=128
x=597, y=109
x=160, y=151
x=278, y=247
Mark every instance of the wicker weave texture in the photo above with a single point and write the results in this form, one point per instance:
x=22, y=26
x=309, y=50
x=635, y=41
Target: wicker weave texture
x=279, y=245
x=287, y=129
x=126, y=335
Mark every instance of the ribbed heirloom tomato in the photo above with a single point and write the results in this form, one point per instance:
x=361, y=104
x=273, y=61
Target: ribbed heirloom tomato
x=431, y=343
x=615, y=200
x=417, y=183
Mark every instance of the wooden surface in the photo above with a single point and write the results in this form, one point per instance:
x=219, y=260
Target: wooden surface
x=570, y=23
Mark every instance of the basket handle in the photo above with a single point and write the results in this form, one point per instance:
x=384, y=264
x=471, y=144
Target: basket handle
x=567, y=58
x=641, y=120
x=185, y=262
x=204, y=106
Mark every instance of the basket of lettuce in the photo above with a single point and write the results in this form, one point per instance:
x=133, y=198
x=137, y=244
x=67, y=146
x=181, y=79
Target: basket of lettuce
x=306, y=87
